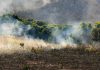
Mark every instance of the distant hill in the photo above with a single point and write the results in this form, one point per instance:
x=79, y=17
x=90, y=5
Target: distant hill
x=12, y=24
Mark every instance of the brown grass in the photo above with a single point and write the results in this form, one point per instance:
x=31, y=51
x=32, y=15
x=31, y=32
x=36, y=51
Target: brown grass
x=11, y=44
x=54, y=57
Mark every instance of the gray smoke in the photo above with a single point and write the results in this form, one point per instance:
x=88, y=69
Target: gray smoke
x=53, y=11
x=93, y=12
x=5, y=7
x=12, y=27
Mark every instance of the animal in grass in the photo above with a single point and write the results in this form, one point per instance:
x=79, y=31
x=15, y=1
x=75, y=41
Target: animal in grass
x=22, y=45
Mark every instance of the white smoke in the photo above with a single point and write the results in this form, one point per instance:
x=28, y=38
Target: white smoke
x=46, y=2
x=5, y=7
x=25, y=5
x=73, y=36
x=9, y=29
x=11, y=6
x=13, y=28
x=93, y=11
x=58, y=11
x=53, y=11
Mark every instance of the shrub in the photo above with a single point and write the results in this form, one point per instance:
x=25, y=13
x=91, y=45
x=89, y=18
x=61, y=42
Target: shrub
x=26, y=67
x=96, y=32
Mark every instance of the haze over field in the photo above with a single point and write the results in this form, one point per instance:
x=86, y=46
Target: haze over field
x=51, y=11
x=49, y=34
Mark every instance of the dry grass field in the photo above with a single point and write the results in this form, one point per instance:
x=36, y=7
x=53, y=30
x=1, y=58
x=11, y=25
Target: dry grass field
x=12, y=44
x=27, y=54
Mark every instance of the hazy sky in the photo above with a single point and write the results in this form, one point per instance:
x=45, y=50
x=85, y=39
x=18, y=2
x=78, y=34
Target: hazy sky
x=53, y=11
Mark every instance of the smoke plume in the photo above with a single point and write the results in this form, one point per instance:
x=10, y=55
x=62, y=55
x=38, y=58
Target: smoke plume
x=12, y=32
x=53, y=11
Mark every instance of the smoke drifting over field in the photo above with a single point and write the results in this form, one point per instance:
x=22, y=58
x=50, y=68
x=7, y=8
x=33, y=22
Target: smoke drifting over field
x=52, y=11
x=13, y=34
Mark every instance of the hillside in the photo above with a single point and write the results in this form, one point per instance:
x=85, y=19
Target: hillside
x=50, y=32
x=28, y=44
x=49, y=35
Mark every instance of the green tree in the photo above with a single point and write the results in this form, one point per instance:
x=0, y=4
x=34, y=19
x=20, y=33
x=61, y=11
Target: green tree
x=96, y=32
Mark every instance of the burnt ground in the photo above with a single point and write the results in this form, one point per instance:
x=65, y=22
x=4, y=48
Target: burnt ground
x=64, y=59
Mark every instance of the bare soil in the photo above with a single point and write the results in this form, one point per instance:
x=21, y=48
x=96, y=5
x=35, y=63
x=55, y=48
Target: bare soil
x=64, y=59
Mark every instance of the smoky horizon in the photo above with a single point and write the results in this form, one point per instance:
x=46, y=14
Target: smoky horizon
x=54, y=11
